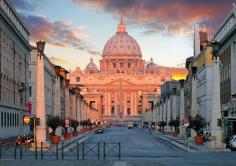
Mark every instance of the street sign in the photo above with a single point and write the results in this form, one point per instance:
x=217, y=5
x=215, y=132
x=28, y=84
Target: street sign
x=27, y=119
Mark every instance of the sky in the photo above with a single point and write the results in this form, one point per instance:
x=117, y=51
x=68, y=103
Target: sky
x=76, y=30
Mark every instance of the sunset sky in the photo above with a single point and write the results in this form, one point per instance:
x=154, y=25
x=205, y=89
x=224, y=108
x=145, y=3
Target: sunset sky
x=76, y=30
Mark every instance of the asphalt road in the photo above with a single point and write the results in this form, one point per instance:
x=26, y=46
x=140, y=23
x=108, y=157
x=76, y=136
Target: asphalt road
x=136, y=142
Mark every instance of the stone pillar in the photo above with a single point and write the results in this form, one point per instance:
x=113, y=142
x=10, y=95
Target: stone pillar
x=116, y=104
x=216, y=109
x=105, y=103
x=174, y=109
x=135, y=103
x=182, y=110
x=164, y=110
x=40, y=98
x=67, y=101
x=132, y=103
x=125, y=104
x=57, y=98
x=193, y=97
x=109, y=103
x=160, y=111
x=168, y=111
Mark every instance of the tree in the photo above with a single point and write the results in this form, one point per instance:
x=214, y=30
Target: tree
x=54, y=122
x=198, y=124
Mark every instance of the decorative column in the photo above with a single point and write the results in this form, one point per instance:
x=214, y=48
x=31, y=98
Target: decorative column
x=216, y=109
x=132, y=102
x=182, y=110
x=168, y=111
x=40, y=94
x=135, y=103
x=109, y=103
x=116, y=103
x=67, y=101
x=160, y=111
x=125, y=104
x=105, y=103
x=193, y=92
x=174, y=109
x=164, y=110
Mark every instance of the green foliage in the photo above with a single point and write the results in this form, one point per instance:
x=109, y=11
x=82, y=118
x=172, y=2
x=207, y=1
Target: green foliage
x=54, y=122
x=198, y=124
x=74, y=123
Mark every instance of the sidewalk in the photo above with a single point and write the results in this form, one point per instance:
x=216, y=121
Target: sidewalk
x=186, y=145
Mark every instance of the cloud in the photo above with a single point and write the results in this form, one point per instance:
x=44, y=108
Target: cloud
x=22, y=5
x=169, y=16
x=60, y=33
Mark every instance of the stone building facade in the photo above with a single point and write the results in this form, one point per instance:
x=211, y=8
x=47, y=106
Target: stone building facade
x=14, y=55
x=226, y=37
x=124, y=85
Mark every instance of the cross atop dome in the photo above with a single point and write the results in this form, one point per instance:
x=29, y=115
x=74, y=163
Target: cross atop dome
x=121, y=26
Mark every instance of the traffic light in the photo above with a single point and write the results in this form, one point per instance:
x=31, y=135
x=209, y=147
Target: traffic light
x=37, y=121
x=219, y=122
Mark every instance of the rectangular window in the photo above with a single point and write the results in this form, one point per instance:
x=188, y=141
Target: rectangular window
x=77, y=79
x=30, y=74
x=30, y=91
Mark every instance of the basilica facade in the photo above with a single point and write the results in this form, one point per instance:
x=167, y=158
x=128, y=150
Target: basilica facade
x=125, y=85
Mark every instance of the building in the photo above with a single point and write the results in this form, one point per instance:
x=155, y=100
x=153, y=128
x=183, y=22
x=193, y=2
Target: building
x=125, y=85
x=169, y=102
x=204, y=63
x=226, y=37
x=14, y=55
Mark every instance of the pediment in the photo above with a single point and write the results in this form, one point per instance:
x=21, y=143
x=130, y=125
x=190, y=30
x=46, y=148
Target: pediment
x=119, y=82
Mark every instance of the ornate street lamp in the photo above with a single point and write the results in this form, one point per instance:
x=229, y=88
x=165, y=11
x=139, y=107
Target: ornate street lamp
x=215, y=48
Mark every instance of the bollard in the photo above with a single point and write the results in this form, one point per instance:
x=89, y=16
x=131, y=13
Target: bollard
x=104, y=150
x=119, y=150
x=41, y=146
x=57, y=151
x=98, y=151
x=62, y=150
x=77, y=150
x=83, y=150
x=36, y=151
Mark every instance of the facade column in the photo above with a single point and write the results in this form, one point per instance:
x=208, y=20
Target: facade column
x=164, y=110
x=132, y=103
x=160, y=111
x=182, y=110
x=67, y=101
x=116, y=104
x=125, y=104
x=168, y=111
x=40, y=97
x=216, y=109
x=174, y=109
x=105, y=103
x=109, y=103
x=135, y=103
x=193, y=98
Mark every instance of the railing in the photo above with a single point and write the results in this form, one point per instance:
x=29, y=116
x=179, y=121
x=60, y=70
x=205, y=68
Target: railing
x=46, y=151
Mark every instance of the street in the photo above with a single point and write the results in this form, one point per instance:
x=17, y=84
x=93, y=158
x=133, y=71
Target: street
x=136, y=142
x=138, y=148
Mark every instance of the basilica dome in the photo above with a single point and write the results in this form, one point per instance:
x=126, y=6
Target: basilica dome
x=91, y=67
x=121, y=43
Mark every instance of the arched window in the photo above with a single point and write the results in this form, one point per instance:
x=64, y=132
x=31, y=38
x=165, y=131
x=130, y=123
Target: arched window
x=5, y=119
x=1, y=119
x=114, y=65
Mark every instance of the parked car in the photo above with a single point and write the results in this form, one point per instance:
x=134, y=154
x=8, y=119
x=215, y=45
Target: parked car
x=232, y=142
x=99, y=131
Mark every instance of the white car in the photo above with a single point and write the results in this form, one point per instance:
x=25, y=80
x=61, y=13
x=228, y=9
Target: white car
x=232, y=142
